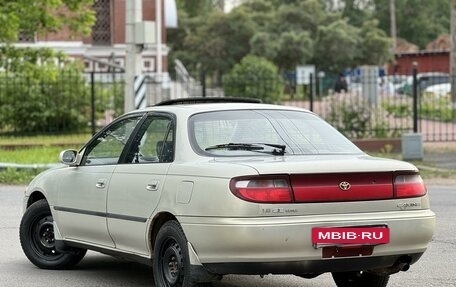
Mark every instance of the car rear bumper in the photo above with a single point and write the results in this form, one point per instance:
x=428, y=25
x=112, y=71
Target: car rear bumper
x=267, y=244
x=382, y=264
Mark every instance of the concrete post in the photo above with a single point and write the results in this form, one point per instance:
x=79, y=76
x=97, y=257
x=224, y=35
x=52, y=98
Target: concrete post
x=133, y=51
x=158, y=21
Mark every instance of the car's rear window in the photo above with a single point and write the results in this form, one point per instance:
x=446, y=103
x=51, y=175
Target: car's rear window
x=249, y=132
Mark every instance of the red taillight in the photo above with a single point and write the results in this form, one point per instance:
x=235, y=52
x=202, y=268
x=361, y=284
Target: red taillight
x=409, y=185
x=262, y=189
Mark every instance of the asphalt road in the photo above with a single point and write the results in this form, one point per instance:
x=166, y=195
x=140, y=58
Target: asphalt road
x=435, y=269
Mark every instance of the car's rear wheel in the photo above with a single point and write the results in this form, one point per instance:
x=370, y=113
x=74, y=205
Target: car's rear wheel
x=360, y=279
x=36, y=234
x=171, y=263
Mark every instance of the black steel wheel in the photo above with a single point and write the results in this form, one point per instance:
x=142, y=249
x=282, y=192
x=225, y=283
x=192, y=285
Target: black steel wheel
x=171, y=263
x=36, y=234
x=360, y=279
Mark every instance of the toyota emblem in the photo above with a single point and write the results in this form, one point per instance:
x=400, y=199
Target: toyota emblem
x=344, y=186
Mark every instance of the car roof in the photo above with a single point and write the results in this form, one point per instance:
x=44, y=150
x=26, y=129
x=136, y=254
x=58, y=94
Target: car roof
x=208, y=107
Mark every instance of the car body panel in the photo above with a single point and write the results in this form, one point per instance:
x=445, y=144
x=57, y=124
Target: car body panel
x=288, y=238
x=81, y=205
x=220, y=227
x=132, y=200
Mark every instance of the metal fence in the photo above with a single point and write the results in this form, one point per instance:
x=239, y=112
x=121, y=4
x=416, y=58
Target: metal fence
x=370, y=107
x=59, y=104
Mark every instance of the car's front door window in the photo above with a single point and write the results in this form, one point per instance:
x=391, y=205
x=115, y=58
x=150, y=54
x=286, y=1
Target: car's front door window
x=107, y=147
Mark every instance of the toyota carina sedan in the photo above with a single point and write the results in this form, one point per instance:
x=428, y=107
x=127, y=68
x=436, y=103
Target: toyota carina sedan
x=200, y=188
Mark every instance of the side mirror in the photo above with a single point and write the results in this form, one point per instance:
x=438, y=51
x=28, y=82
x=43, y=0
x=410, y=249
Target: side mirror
x=69, y=157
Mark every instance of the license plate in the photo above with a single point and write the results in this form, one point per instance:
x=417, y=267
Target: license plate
x=350, y=235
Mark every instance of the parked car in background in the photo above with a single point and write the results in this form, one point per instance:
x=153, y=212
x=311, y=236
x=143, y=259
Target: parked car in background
x=200, y=188
x=439, y=90
x=424, y=80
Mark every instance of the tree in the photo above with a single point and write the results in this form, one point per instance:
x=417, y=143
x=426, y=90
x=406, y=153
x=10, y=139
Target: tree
x=295, y=48
x=32, y=96
x=43, y=16
x=337, y=46
x=357, y=11
x=264, y=45
x=254, y=77
x=288, y=33
x=304, y=16
x=223, y=41
x=374, y=47
x=418, y=21
x=195, y=8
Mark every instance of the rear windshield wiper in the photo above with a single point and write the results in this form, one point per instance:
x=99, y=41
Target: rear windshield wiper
x=258, y=147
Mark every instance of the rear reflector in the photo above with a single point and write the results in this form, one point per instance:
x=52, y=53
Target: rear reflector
x=262, y=189
x=409, y=185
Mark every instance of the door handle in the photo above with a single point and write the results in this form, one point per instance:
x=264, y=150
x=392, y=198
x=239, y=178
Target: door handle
x=153, y=185
x=101, y=183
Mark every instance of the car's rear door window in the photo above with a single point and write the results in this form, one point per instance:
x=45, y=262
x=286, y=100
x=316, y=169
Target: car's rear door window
x=154, y=141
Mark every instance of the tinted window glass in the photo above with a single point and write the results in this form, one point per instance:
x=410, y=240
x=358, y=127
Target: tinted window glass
x=155, y=141
x=108, y=146
x=300, y=132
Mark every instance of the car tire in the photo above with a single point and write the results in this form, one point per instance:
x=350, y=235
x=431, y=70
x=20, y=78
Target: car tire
x=36, y=234
x=171, y=263
x=360, y=279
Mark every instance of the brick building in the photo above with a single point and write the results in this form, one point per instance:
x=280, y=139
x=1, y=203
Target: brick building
x=107, y=40
x=435, y=58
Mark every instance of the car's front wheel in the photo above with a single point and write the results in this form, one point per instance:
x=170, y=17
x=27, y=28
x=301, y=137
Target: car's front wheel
x=360, y=279
x=36, y=234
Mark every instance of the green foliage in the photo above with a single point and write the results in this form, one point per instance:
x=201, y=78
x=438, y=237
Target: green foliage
x=350, y=119
x=18, y=176
x=437, y=108
x=295, y=48
x=264, y=45
x=222, y=41
x=356, y=119
x=42, y=16
x=33, y=155
x=195, y=7
x=303, y=16
x=44, y=140
x=357, y=12
x=337, y=46
x=288, y=33
x=109, y=99
x=254, y=77
x=35, y=97
x=399, y=110
x=374, y=42
x=418, y=21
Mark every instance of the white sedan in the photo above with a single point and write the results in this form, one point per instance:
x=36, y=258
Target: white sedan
x=200, y=188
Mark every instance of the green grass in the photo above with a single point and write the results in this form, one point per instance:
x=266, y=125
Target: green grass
x=18, y=176
x=33, y=155
x=33, y=150
x=47, y=153
x=46, y=140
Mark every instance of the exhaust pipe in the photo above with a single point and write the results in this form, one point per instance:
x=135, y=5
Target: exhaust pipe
x=402, y=264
